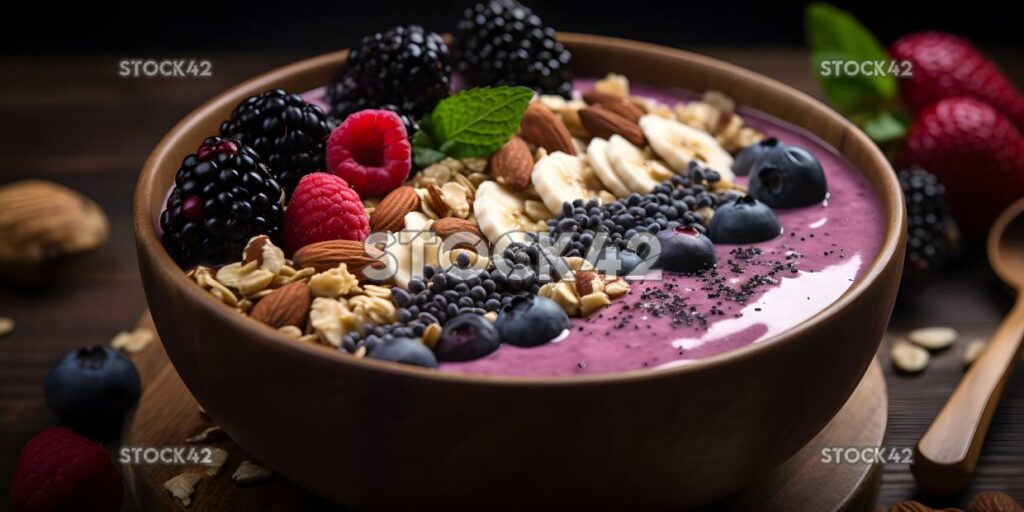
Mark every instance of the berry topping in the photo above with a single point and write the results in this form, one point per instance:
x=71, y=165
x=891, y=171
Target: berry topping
x=286, y=132
x=223, y=196
x=750, y=154
x=743, y=221
x=58, y=470
x=91, y=389
x=371, y=151
x=323, y=207
x=685, y=249
x=502, y=42
x=531, y=321
x=467, y=337
x=932, y=235
x=402, y=350
x=788, y=177
x=405, y=66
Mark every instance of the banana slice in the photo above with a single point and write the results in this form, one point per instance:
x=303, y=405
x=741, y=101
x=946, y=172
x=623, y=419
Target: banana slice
x=637, y=172
x=501, y=215
x=678, y=144
x=560, y=178
x=597, y=156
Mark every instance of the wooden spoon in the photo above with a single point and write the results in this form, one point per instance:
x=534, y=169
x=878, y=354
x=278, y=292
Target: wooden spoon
x=948, y=451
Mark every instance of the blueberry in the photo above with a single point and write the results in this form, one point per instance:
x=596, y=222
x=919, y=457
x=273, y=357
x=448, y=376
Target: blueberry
x=403, y=350
x=788, y=177
x=531, y=320
x=467, y=337
x=685, y=249
x=91, y=389
x=746, y=159
x=743, y=221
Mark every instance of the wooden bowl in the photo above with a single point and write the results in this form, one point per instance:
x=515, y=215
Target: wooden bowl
x=376, y=435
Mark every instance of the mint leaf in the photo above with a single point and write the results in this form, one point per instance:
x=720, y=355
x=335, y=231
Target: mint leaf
x=476, y=122
x=835, y=36
x=884, y=127
x=425, y=157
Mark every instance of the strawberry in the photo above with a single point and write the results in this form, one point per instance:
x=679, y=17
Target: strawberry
x=976, y=152
x=946, y=66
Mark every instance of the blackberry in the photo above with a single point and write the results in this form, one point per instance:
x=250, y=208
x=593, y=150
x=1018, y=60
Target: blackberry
x=932, y=237
x=288, y=134
x=222, y=196
x=406, y=67
x=502, y=42
x=677, y=202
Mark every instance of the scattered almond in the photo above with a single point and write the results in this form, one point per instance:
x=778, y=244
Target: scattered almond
x=435, y=200
x=288, y=305
x=133, y=342
x=604, y=123
x=390, y=213
x=909, y=358
x=512, y=164
x=218, y=456
x=991, y=501
x=541, y=127
x=212, y=433
x=249, y=472
x=449, y=226
x=323, y=256
x=909, y=506
x=973, y=349
x=933, y=338
x=614, y=103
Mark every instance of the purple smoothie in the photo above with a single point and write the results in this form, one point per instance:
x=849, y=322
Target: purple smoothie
x=754, y=293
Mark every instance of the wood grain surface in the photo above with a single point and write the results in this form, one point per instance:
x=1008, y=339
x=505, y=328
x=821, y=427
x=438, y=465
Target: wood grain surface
x=74, y=121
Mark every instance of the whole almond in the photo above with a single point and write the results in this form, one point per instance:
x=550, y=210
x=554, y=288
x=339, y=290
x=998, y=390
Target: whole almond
x=449, y=226
x=436, y=201
x=991, y=501
x=542, y=127
x=390, y=213
x=617, y=104
x=323, y=256
x=287, y=305
x=604, y=123
x=512, y=164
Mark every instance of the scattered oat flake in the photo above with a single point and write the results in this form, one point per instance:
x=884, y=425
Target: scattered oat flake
x=213, y=433
x=250, y=472
x=218, y=456
x=909, y=358
x=973, y=349
x=183, y=486
x=933, y=338
x=6, y=326
x=133, y=342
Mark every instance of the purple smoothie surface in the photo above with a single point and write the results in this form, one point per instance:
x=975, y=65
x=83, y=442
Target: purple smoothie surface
x=755, y=292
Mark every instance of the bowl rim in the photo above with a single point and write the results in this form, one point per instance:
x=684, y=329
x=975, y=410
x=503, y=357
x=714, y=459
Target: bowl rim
x=889, y=195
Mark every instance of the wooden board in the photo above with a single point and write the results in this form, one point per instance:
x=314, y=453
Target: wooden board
x=167, y=414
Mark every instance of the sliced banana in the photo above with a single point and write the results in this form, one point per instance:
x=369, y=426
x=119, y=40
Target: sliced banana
x=560, y=178
x=597, y=156
x=678, y=144
x=501, y=215
x=637, y=172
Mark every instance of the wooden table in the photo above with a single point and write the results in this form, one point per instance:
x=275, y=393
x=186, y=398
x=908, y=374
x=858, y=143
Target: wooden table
x=74, y=121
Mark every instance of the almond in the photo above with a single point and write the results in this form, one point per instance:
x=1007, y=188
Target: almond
x=512, y=164
x=287, y=305
x=992, y=501
x=390, y=213
x=585, y=283
x=254, y=249
x=909, y=506
x=617, y=104
x=449, y=226
x=604, y=123
x=323, y=256
x=436, y=201
x=542, y=127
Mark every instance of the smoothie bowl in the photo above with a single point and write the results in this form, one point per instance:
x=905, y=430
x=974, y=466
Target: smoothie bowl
x=587, y=384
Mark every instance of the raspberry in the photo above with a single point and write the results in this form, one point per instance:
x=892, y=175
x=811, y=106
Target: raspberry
x=60, y=471
x=323, y=207
x=371, y=151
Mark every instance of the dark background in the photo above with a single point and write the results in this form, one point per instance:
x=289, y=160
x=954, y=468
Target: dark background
x=316, y=27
